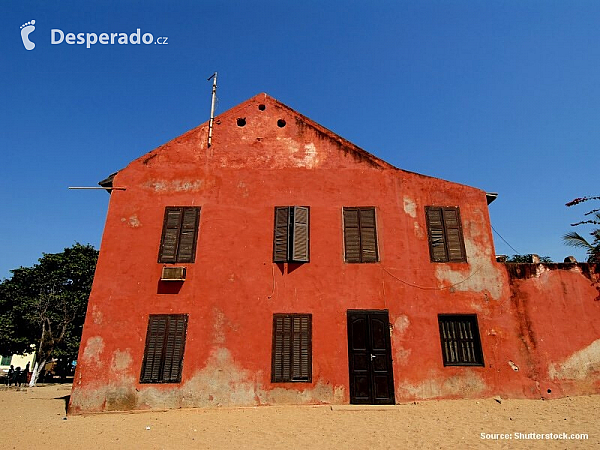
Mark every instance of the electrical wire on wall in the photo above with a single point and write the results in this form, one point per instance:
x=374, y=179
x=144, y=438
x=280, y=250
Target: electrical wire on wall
x=431, y=288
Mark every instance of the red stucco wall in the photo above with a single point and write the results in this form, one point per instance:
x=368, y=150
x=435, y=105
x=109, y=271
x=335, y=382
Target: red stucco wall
x=233, y=288
x=556, y=308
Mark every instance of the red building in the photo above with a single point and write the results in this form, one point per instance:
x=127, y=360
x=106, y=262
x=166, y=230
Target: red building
x=283, y=264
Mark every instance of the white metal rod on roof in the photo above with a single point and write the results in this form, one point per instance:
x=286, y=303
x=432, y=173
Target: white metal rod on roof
x=212, y=108
x=98, y=187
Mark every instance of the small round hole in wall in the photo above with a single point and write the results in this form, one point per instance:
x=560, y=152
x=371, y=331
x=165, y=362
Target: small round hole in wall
x=281, y=123
x=549, y=391
x=262, y=107
x=241, y=121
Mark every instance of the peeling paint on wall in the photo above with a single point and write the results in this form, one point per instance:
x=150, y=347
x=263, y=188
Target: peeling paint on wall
x=242, y=187
x=579, y=366
x=300, y=156
x=121, y=361
x=464, y=385
x=401, y=354
x=419, y=233
x=410, y=207
x=93, y=349
x=320, y=393
x=133, y=221
x=175, y=185
x=401, y=324
x=482, y=274
x=311, y=157
x=222, y=382
x=97, y=315
x=219, y=322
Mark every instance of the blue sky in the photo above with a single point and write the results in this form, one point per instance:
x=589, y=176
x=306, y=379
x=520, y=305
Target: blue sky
x=503, y=96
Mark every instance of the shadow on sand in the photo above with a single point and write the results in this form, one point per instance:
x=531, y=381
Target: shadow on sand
x=66, y=399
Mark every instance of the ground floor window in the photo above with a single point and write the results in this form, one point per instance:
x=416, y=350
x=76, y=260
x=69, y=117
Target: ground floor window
x=6, y=360
x=292, y=348
x=461, y=345
x=165, y=344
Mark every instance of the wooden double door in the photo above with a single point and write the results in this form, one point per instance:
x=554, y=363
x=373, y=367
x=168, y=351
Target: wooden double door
x=370, y=357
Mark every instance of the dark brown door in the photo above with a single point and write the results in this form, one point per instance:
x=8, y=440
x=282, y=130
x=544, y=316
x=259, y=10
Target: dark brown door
x=370, y=358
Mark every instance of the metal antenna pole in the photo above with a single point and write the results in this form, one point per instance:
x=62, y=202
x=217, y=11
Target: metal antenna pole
x=212, y=107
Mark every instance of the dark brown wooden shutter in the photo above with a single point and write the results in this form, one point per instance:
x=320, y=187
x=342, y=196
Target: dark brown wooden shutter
x=277, y=363
x=444, y=228
x=165, y=345
x=186, y=251
x=301, y=358
x=170, y=237
x=281, y=234
x=351, y=235
x=454, y=238
x=180, y=234
x=360, y=235
x=174, y=348
x=435, y=228
x=300, y=247
x=282, y=355
x=286, y=354
x=155, y=339
x=291, y=357
x=368, y=235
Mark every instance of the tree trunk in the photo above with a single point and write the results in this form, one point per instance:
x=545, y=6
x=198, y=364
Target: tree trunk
x=37, y=369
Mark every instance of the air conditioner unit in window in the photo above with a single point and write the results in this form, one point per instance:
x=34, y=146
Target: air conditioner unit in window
x=173, y=274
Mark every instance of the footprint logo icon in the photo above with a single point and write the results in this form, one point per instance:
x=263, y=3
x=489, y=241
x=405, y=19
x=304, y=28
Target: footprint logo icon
x=26, y=30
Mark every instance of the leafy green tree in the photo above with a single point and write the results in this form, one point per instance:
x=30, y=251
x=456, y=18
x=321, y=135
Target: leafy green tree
x=44, y=306
x=574, y=239
x=527, y=259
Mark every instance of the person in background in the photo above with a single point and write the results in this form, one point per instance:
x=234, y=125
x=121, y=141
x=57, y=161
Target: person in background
x=25, y=374
x=11, y=375
x=18, y=376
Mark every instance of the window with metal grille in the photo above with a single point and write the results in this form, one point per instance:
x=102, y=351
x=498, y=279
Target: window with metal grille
x=360, y=235
x=292, y=348
x=291, y=234
x=444, y=227
x=165, y=344
x=461, y=345
x=6, y=360
x=179, y=235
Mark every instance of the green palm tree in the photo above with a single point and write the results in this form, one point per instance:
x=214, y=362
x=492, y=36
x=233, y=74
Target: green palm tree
x=574, y=239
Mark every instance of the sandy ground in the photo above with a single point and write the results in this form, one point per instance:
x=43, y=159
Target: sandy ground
x=35, y=419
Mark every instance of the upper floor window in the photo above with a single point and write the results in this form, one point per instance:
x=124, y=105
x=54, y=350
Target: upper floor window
x=291, y=234
x=179, y=235
x=444, y=228
x=360, y=235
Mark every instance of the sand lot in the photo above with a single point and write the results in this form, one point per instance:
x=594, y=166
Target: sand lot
x=35, y=419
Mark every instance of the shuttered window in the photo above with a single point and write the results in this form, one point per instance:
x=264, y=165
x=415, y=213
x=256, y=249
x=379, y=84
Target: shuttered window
x=179, y=235
x=291, y=234
x=461, y=345
x=444, y=227
x=165, y=344
x=292, y=348
x=360, y=235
